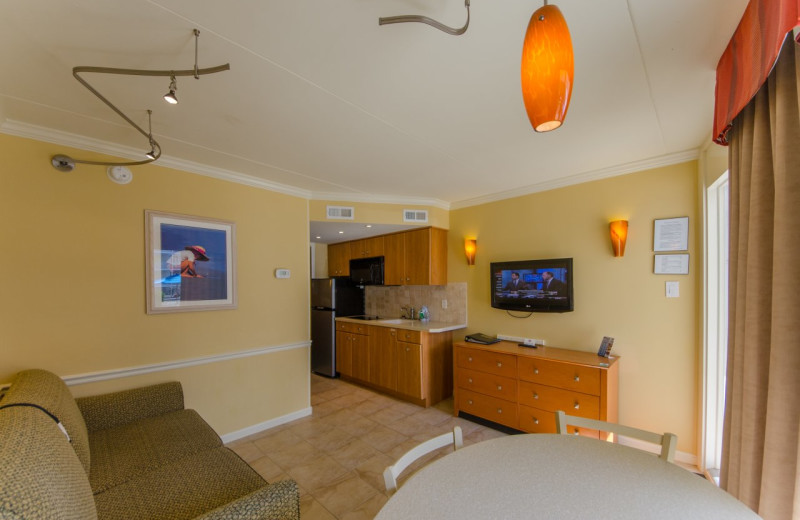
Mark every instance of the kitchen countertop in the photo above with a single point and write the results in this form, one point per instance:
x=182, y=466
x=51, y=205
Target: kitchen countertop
x=422, y=326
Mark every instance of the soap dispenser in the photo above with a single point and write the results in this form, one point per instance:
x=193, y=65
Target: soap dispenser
x=423, y=313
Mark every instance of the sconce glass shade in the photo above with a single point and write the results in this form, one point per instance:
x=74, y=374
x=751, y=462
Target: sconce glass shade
x=470, y=245
x=619, y=235
x=547, y=68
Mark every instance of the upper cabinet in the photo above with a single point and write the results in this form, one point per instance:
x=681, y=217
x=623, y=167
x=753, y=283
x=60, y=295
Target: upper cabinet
x=367, y=247
x=417, y=257
x=339, y=259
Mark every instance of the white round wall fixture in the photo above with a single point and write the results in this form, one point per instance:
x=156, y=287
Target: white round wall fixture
x=119, y=174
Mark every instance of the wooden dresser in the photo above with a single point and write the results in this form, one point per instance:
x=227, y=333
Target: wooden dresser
x=522, y=388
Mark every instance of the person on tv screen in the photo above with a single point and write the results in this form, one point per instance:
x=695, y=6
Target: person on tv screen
x=515, y=284
x=552, y=285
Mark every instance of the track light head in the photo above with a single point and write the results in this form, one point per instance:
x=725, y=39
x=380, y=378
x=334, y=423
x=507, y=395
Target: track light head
x=170, y=97
x=151, y=154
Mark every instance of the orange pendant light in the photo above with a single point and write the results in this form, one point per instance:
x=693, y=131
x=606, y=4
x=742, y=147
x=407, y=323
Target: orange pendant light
x=547, y=68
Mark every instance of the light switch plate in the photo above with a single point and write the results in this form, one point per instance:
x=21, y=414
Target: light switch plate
x=282, y=273
x=673, y=289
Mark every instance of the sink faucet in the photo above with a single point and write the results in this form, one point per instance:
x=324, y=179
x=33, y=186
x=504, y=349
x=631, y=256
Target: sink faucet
x=407, y=313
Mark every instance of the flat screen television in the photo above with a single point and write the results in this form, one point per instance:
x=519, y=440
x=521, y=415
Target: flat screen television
x=533, y=285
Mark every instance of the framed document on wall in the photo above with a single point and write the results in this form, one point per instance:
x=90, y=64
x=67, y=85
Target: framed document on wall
x=671, y=234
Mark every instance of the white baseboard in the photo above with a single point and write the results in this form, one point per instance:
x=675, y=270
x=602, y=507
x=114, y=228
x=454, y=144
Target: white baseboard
x=680, y=456
x=266, y=425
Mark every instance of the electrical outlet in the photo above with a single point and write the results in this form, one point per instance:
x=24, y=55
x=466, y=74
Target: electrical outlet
x=444, y=304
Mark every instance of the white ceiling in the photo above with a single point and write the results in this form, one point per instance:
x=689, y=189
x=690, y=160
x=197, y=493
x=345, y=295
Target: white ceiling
x=323, y=102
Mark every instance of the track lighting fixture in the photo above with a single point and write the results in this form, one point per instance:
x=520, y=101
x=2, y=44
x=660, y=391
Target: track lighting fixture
x=170, y=97
x=424, y=19
x=64, y=163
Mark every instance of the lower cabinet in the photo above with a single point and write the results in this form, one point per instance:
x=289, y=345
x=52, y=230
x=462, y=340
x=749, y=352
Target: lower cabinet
x=522, y=388
x=411, y=364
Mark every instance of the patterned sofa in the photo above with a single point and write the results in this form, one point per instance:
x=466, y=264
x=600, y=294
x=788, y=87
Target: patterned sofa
x=136, y=454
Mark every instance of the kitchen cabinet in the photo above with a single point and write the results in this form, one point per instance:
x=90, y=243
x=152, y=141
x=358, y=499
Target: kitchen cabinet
x=523, y=388
x=339, y=259
x=414, y=365
x=367, y=247
x=417, y=257
x=352, y=350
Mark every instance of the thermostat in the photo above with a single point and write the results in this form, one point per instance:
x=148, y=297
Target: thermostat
x=282, y=273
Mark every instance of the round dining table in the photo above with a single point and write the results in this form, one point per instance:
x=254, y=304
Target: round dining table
x=544, y=476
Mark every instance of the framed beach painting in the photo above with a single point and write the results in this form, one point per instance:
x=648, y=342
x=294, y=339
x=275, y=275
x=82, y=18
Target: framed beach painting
x=191, y=263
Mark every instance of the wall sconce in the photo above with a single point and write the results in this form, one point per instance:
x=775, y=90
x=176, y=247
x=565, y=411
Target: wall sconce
x=470, y=245
x=619, y=234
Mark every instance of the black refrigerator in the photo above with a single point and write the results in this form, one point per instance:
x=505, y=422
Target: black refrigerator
x=330, y=298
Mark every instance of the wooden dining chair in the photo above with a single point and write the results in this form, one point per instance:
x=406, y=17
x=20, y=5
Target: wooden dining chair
x=391, y=473
x=667, y=441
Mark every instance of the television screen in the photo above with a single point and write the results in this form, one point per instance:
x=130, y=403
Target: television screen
x=533, y=285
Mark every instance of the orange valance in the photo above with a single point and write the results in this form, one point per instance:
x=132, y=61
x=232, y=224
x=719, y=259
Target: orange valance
x=750, y=56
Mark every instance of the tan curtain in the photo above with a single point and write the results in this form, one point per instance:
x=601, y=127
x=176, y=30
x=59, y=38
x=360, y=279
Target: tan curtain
x=761, y=440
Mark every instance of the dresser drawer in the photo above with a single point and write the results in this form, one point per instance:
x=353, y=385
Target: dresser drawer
x=488, y=361
x=489, y=384
x=580, y=378
x=491, y=408
x=553, y=399
x=409, y=336
x=536, y=420
x=355, y=328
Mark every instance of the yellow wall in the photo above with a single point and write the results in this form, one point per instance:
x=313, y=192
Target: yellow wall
x=74, y=284
x=375, y=213
x=620, y=297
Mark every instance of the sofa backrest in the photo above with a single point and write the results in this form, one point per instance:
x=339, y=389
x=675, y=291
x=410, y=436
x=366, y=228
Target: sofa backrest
x=40, y=474
x=45, y=389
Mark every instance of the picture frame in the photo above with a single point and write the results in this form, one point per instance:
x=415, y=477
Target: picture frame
x=671, y=264
x=671, y=234
x=190, y=263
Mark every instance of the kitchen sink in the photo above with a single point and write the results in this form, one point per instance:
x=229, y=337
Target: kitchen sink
x=399, y=321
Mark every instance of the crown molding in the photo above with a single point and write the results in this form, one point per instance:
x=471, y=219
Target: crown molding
x=594, y=175
x=48, y=135
x=382, y=199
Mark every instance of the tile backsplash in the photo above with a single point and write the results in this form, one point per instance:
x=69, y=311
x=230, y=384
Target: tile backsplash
x=385, y=301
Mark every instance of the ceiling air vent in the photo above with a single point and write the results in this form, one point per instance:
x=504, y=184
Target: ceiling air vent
x=341, y=212
x=415, y=215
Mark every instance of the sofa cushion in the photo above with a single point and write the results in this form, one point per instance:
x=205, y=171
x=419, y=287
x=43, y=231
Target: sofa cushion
x=181, y=490
x=125, y=452
x=49, y=391
x=41, y=476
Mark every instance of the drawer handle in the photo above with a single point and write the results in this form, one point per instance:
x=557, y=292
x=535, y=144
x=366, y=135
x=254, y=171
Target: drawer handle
x=535, y=420
x=576, y=432
x=499, y=387
x=469, y=401
x=499, y=410
x=470, y=380
x=577, y=406
x=577, y=378
x=469, y=359
x=535, y=395
x=499, y=364
x=408, y=349
x=536, y=371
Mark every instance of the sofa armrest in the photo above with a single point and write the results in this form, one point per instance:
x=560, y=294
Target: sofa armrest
x=278, y=501
x=109, y=410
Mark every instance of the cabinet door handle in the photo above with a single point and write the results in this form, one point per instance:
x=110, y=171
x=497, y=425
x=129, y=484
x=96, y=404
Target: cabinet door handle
x=470, y=380
x=576, y=432
x=535, y=395
x=577, y=378
x=499, y=364
x=535, y=420
x=499, y=410
x=577, y=405
x=408, y=349
x=499, y=387
x=536, y=371
x=469, y=402
x=469, y=359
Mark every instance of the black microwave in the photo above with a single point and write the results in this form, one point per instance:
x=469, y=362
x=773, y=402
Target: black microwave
x=367, y=271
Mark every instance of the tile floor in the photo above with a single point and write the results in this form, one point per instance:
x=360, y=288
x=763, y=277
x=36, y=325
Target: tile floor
x=338, y=454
